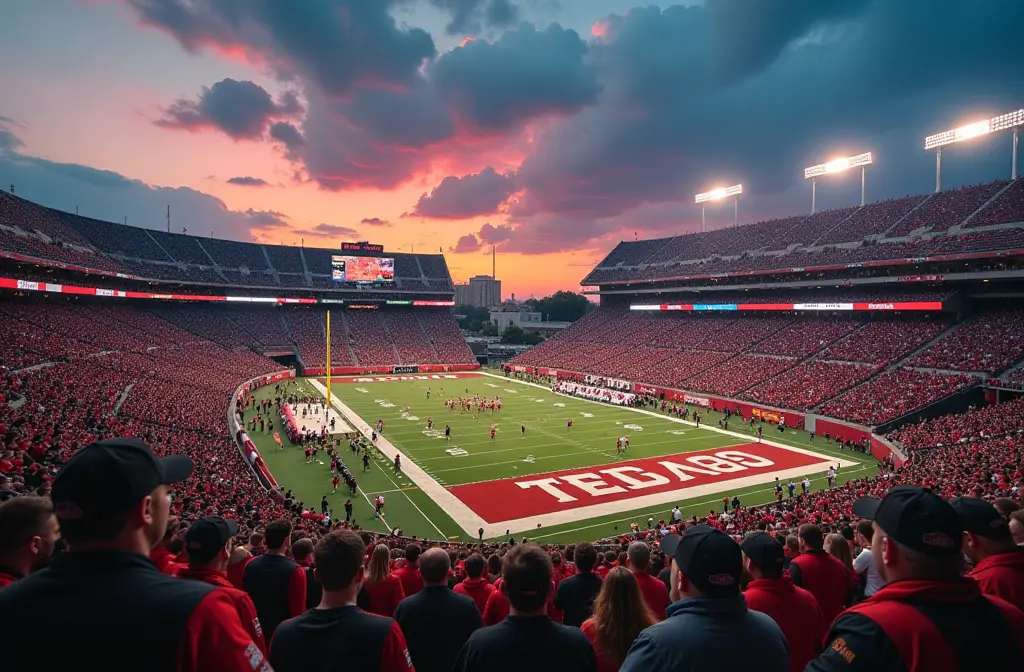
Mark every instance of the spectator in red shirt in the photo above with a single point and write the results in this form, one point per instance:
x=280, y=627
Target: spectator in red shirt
x=819, y=573
x=638, y=558
x=276, y=584
x=162, y=556
x=338, y=634
x=771, y=591
x=208, y=541
x=28, y=535
x=475, y=585
x=998, y=562
x=409, y=575
x=383, y=588
x=621, y=612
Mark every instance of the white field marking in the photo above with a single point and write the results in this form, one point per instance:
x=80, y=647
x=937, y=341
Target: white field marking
x=448, y=502
x=862, y=467
x=385, y=492
x=593, y=450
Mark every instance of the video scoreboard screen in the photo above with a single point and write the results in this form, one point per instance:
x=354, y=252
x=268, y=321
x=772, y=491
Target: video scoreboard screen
x=363, y=270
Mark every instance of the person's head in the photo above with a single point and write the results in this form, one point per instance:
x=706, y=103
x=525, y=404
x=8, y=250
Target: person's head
x=302, y=551
x=380, y=564
x=586, y=556
x=865, y=530
x=278, y=535
x=762, y=556
x=494, y=564
x=1005, y=506
x=811, y=538
x=986, y=532
x=339, y=564
x=838, y=547
x=474, y=566
x=620, y=613
x=526, y=579
x=434, y=565
x=257, y=544
x=208, y=542
x=638, y=556
x=705, y=563
x=792, y=545
x=916, y=535
x=114, y=494
x=28, y=533
x=412, y=554
x=1017, y=526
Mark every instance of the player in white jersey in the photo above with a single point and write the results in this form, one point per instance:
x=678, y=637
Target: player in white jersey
x=622, y=445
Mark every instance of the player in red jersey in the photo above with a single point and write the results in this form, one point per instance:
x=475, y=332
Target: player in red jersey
x=492, y=432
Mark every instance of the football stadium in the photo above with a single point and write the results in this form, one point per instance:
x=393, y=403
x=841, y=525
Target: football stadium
x=803, y=430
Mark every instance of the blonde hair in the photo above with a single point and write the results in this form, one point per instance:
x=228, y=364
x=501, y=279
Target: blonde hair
x=380, y=565
x=839, y=548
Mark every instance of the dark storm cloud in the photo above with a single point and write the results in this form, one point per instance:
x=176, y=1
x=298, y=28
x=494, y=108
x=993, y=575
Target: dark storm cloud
x=248, y=181
x=338, y=44
x=467, y=196
x=469, y=17
x=525, y=74
x=241, y=110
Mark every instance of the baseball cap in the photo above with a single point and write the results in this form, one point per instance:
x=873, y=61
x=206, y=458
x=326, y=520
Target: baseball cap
x=709, y=558
x=207, y=536
x=763, y=550
x=915, y=517
x=113, y=475
x=981, y=518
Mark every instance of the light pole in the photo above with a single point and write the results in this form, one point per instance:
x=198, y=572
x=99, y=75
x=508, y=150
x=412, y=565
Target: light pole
x=718, y=195
x=839, y=166
x=1010, y=120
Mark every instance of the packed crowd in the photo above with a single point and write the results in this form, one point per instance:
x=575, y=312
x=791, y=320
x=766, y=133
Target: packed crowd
x=893, y=394
x=995, y=422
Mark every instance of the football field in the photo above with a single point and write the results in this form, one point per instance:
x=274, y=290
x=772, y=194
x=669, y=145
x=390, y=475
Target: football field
x=538, y=477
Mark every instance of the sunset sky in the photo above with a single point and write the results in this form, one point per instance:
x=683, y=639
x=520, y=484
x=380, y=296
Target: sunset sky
x=550, y=128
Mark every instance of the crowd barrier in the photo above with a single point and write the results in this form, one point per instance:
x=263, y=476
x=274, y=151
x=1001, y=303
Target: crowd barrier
x=246, y=448
x=403, y=368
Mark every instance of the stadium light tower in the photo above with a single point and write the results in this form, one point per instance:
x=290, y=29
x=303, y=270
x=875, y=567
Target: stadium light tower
x=1010, y=120
x=839, y=166
x=717, y=195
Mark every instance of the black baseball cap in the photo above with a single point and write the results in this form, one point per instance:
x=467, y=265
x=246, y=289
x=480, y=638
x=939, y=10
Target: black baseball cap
x=915, y=517
x=763, y=550
x=981, y=518
x=207, y=536
x=709, y=558
x=113, y=475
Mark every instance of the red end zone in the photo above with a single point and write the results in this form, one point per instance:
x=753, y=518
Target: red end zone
x=540, y=494
x=399, y=377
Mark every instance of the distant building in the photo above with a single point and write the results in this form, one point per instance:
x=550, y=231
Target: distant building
x=481, y=291
x=507, y=314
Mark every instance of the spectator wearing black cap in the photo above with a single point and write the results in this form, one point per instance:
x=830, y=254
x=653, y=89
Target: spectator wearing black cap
x=436, y=621
x=28, y=537
x=820, y=573
x=928, y=616
x=638, y=558
x=526, y=583
x=208, y=542
x=709, y=626
x=998, y=562
x=576, y=594
x=771, y=591
x=275, y=582
x=338, y=634
x=106, y=598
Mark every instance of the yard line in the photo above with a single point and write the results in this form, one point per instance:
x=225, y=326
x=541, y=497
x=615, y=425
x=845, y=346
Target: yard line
x=863, y=467
x=533, y=447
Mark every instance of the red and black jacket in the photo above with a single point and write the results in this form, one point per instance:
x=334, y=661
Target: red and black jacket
x=925, y=626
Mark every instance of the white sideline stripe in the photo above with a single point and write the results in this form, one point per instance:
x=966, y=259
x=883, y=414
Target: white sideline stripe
x=469, y=521
x=451, y=504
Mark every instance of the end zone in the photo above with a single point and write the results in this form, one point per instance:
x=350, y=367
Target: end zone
x=440, y=377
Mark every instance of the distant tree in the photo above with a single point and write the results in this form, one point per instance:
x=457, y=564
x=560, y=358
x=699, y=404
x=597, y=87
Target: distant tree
x=489, y=329
x=562, y=306
x=532, y=338
x=471, y=314
x=514, y=335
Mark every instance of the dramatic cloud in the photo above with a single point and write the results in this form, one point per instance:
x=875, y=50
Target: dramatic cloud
x=248, y=182
x=8, y=140
x=466, y=244
x=241, y=110
x=375, y=221
x=328, y=230
x=471, y=16
x=466, y=197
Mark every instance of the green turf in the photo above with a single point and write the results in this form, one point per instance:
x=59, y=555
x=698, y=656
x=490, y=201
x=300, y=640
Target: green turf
x=547, y=446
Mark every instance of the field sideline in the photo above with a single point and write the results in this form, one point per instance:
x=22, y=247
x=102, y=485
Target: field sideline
x=567, y=482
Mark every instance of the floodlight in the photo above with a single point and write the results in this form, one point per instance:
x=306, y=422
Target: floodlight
x=717, y=195
x=861, y=161
x=969, y=131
